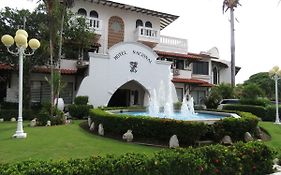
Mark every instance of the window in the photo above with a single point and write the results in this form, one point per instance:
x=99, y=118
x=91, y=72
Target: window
x=41, y=91
x=179, y=64
x=94, y=14
x=215, y=76
x=180, y=94
x=139, y=23
x=148, y=24
x=82, y=12
x=201, y=68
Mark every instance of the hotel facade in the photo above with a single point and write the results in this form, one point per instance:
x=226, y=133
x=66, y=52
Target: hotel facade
x=129, y=59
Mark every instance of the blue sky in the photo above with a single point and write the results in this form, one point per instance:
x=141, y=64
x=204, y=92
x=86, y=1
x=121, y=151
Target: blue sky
x=257, y=34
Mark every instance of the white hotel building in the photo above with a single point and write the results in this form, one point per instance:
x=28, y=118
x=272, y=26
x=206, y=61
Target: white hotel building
x=129, y=60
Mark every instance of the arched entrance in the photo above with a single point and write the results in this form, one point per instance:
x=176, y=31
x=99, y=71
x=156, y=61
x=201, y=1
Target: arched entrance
x=131, y=93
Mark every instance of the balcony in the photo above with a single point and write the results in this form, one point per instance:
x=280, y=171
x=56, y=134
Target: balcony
x=179, y=73
x=148, y=36
x=95, y=25
x=172, y=44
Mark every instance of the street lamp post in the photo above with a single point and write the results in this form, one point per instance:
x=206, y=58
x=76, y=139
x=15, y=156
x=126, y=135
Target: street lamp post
x=275, y=73
x=21, y=43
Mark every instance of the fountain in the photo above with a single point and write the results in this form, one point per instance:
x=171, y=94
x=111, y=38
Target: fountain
x=153, y=108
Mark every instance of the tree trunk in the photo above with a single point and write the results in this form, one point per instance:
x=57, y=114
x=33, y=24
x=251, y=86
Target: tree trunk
x=232, y=47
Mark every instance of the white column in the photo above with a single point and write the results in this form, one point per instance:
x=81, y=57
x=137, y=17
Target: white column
x=277, y=121
x=20, y=133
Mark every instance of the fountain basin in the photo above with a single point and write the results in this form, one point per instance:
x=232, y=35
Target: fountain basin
x=200, y=116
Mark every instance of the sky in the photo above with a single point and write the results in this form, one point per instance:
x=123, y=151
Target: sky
x=257, y=29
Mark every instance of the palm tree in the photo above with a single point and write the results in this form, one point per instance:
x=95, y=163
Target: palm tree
x=52, y=10
x=66, y=4
x=231, y=4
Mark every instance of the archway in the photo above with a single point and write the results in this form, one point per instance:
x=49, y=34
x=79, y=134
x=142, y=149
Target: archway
x=131, y=93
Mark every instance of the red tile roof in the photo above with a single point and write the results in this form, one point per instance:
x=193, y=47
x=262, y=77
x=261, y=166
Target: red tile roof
x=40, y=69
x=48, y=70
x=5, y=66
x=192, y=81
x=184, y=56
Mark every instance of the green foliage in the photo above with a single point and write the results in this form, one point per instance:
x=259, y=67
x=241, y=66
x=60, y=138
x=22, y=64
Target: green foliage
x=252, y=91
x=44, y=115
x=7, y=114
x=271, y=113
x=81, y=100
x=235, y=127
x=217, y=93
x=80, y=109
x=257, y=102
x=253, y=158
x=150, y=128
x=265, y=83
x=259, y=111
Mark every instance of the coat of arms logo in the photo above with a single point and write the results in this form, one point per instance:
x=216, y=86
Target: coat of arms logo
x=133, y=66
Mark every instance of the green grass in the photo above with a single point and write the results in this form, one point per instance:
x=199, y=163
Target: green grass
x=275, y=132
x=60, y=142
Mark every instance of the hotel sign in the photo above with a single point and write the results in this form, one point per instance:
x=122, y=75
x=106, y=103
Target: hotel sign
x=133, y=52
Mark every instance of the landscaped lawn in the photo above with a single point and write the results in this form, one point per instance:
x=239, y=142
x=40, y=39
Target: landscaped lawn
x=60, y=142
x=275, y=132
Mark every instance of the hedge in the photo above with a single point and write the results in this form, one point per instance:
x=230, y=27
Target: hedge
x=235, y=127
x=7, y=114
x=145, y=127
x=253, y=158
x=265, y=113
x=259, y=111
x=188, y=132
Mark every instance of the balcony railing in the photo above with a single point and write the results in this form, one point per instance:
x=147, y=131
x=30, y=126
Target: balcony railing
x=145, y=34
x=172, y=44
x=95, y=24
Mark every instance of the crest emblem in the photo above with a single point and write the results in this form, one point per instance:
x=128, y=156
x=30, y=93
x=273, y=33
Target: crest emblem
x=133, y=66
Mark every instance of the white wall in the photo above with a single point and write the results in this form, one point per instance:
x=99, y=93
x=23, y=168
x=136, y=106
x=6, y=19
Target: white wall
x=128, y=17
x=107, y=73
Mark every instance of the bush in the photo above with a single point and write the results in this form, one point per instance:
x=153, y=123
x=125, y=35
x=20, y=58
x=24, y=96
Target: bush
x=150, y=128
x=259, y=111
x=9, y=105
x=235, y=127
x=7, y=114
x=79, y=111
x=253, y=158
x=271, y=113
x=256, y=102
x=81, y=100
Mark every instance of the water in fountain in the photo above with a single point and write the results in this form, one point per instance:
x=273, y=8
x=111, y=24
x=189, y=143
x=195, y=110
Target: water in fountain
x=184, y=107
x=190, y=104
x=168, y=108
x=187, y=107
x=153, y=108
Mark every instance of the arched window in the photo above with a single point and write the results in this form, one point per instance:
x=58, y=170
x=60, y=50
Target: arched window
x=148, y=24
x=139, y=23
x=215, y=76
x=82, y=12
x=94, y=14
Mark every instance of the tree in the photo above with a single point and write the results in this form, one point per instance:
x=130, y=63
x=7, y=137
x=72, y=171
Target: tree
x=217, y=93
x=231, y=4
x=264, y=82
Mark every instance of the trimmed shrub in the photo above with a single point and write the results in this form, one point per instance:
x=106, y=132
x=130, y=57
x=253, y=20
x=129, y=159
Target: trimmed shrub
x=271, y=113
x=259, y=111
x=150, y=128
x=81, y=100
x=79, y=111
x=253, y=158
x=7, y=114
x=235, y=127
x=256, y=102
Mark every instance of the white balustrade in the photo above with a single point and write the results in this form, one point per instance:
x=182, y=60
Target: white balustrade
x=172, y=44
x=147, y=34
x=95, y=24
